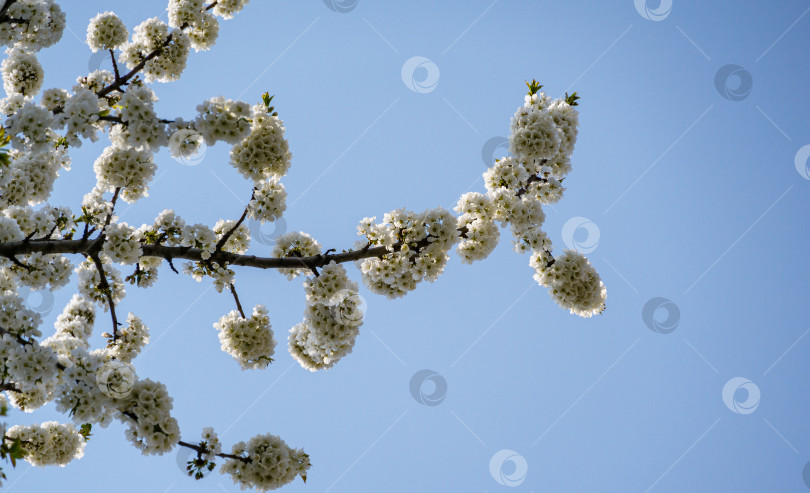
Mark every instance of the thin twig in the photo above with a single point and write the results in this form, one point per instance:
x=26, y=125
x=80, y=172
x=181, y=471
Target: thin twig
x=236, y=299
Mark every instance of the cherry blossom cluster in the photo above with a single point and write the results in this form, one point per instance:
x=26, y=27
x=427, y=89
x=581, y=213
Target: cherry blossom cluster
x=272, y=463
x=417, y=244
x=332, y=319
x=249, y=340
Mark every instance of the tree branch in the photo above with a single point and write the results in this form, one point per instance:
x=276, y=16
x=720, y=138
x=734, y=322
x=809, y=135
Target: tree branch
x=200, y=451
x=236, y=299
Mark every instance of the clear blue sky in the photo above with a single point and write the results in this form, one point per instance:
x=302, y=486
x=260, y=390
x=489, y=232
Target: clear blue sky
x=695, y=198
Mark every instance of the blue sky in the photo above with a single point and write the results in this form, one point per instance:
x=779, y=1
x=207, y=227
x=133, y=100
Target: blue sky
x=683, y=188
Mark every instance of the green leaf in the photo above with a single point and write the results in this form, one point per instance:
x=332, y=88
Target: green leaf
x=572, y=99
x=534, y=87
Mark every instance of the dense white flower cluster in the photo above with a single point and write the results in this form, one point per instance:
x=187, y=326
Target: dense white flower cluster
x=30, y=177
x=122, y=245
x=42, y=24
x=149, y=36
x=202, y=237
x=80, y=114
x=45, y=221
x=50, y=443
x=572, y=282
x=265, y=152
x=26, y=364
x=477, y=221
x=142, y=129
x=249, y=340
x=131, y=339
x=80, y=395
x=106, y=32
x=270, y=463
x=29, y=128
x=269, y=200
x=204, y=27
x=9, y=230
x=146, y=409
x=418, y=244
x=96, y=208
x=227, y=8
x=127, y=168
x=17, y=319
x=223, y=119
x=77, y=318
x=90, y=287
x=332, y=318
x=295, y=244
x=42, y=271
x=239, y=241
x=22, y=73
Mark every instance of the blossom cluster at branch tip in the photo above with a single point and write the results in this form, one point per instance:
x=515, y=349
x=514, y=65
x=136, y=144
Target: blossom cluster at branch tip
x=249, y=340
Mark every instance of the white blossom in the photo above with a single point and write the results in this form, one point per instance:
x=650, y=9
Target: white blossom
x=572, y=282
x=249, y=340
x=50, y=443
x=106, y=32
x=22, y=73
x=272, y=463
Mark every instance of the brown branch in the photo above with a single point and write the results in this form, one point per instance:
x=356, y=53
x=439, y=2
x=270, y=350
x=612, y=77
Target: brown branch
x=200, y=452
x=230, y=232
x=86, y=246
x=112, y=209
x=105, y=287
x=236, y=299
